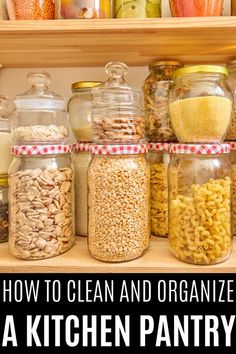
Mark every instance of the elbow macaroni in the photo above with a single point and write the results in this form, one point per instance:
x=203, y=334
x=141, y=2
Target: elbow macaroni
x=234, y=197
x=206, y=236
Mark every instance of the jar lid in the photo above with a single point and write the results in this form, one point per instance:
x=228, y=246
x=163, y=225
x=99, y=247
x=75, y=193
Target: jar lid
x=119, y=149
x=200, y=149
x=82, y=147
x=40, y=149
x=84, y=84
x=3, y=180
x=159, y=147
x=164, y=62
x=201, y=69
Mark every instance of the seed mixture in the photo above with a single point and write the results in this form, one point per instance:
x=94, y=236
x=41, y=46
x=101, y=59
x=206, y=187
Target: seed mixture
x=40, y=133
x=32, y=9
x=41, y=212
x=3, y=222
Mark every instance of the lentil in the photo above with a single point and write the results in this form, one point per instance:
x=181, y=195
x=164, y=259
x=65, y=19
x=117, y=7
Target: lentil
x=32, y=9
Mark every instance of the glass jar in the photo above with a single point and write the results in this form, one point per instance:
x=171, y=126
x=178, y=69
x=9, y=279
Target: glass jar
x=231, y=134
x=40, y=201
x=5, y=135
x=3, y=208
x=117, y=114
x=156, y=100
x=138, y=9
x=200, y=222
x=79, y=108
x=85, y=9
x=33, y=9
x=233, y=7
x=233, y=164
x=119, y=202
x=201, y=104
x=40, y=115
x=158, y=158
x=3, y=10
x=81, y=160
x=194, y=8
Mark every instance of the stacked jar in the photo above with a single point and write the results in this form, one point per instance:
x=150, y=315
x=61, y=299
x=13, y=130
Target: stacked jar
x=40, y=176
x=200, y=175
x=119, y=175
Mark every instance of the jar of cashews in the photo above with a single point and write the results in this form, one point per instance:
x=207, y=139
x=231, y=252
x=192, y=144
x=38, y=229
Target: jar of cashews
x=200, y=215
x=158, y=158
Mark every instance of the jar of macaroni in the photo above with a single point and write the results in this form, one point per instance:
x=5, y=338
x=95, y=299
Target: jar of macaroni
x=158, y=158
x=81, y=160
x=233, y=164
x=200, y=104
x=79, y=108
x=231, y=134
x=41, y=201
x=200, y=218
x=119, y=202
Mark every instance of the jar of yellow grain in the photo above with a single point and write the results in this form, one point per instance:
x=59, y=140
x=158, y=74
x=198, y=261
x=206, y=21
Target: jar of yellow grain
x=233, y=164
x=158, y=158
x=200, y=104
x=200, y=218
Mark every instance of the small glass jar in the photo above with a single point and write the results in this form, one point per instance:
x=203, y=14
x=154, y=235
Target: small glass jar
x=79, y=108
x=200, y=215
x=3, y=208
x=85, y=9
x=40, y=201
x=137, y=9
x=119, y=202
x=81, y=160
x=156, y=101
x=40, y=115
x=33, y=9
x=117, y=113
x=201, y=104
x=195, y=8
x=3, y=10
x=233, y=164
x=5, y=135
x=158, y=158
x=231, y=134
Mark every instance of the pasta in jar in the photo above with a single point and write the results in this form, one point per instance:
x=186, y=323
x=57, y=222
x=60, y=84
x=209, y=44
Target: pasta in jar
x=233, y=164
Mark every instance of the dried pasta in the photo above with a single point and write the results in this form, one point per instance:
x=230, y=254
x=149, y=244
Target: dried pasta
x=234, y=197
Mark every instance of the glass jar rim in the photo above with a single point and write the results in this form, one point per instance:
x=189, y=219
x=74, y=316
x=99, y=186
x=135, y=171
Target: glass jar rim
x=214, y=69
x=157, y=63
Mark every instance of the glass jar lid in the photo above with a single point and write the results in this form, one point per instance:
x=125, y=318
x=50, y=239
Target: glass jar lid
x=200, y=149
x=119, y=149
x=164, y=62
x=4, y=180
x=164, y=147
x=80, y=85
x=38, y=96
x=40, y=149
x=201, y=69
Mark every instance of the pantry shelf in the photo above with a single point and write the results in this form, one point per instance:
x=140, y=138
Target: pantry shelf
x=157, y=259
x=68, y=43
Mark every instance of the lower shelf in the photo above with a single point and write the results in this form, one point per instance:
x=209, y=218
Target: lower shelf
x=157, y=259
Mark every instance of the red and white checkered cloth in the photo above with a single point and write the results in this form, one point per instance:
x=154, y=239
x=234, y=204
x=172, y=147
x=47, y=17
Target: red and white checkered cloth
x=200, y=149
x=165, y=147
x=41, y=149
x=119, y=149
x=82, y=147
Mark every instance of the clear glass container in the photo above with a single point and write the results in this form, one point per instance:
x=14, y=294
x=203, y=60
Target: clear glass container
x=119, y=202
x=158, y=158
x=81, y=160
x=117, y=112
x=79, y=108
x=3, y=208
x=201, y=104
x=85, y=9
x=231, y=134
x=137, y=9
x=200, y=214
x=33, y=9
x=41, y=201
x=156, y=101
x=5, y=135
x=3, y=10
x=233, y=164
x=39, y=116
x=195, y=8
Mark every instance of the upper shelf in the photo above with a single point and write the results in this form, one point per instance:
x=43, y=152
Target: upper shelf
x=135, y=41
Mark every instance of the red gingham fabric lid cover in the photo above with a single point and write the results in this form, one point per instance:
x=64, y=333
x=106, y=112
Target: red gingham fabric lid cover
x=82, y=147
x=119, y=149
x=200, y=149
x=40, y=149
x=232, y=145
x=165, y=147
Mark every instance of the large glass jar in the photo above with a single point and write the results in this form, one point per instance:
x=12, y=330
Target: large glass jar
x=200, y=219
x=85, y=9
x=119, y=202
x=3, y=208
x=117, y=114
x=138, y=9
x=40, y=115
x=80, y=107
x=5, y=136
x=158, y=158
x=3, y=10
x=231, y=134
x=40, y=201
x=233, y=164
x=81, y=160
x=194, y=8
x=33, y=9
x=201, y=104
x=156, y=101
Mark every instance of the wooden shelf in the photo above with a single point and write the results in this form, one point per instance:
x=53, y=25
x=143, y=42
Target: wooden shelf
x=64, y=43
x=157, y=259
